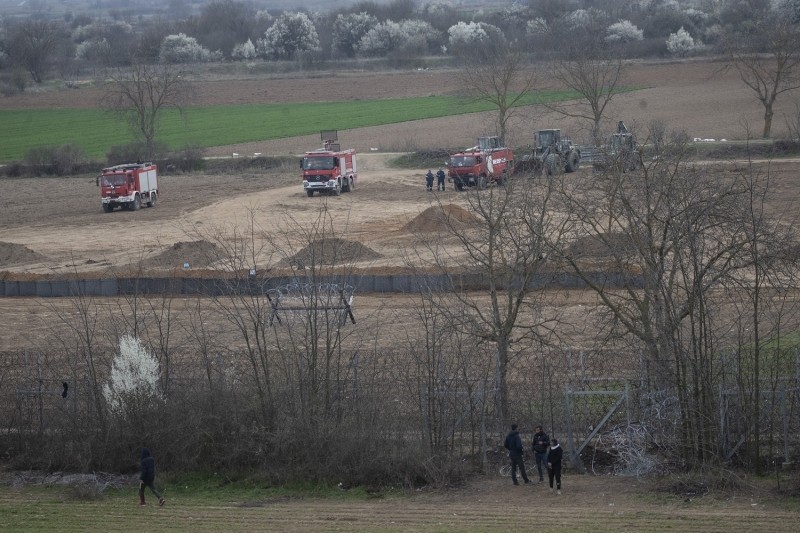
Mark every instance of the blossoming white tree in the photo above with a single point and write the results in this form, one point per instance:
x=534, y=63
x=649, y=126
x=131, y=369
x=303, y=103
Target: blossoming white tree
x=246, y=50
x=134, y=379
x=292, y=33
x=349, y=29
x=181, y=48
x=466, y=35
x=624, y=31
x=680, y=43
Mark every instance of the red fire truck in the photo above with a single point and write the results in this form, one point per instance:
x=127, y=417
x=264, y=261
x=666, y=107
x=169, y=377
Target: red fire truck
x=488, y=162
x=329, y=169
x=128, y=186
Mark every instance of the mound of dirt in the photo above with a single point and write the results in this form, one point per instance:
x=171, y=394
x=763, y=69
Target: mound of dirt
x=17, y=254
x=439, y=218
x=606, y=245
x=196, y=253
x=332, y=252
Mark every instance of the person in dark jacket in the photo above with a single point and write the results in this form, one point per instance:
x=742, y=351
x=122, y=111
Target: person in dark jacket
x=554, y=464
x=540, y=443
x=147, y=477
x=514, y=446
x=440, y=180
x=429, y=180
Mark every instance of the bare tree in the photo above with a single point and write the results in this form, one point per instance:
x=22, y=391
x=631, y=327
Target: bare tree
x=142, y=93
x=499, y=74
x=766, y=54
x=504, y=249
x=673, y=234
x=595, y=76
x=32, y=43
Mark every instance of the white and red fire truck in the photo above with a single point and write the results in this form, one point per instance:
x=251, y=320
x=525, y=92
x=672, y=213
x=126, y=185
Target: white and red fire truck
x=329, y=169
x=128, y=186
x=488, y=162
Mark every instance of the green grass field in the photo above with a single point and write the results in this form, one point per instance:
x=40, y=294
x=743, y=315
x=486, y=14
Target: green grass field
x=96, y=131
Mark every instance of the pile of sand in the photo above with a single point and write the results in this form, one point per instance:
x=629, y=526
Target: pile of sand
x=332, y=252
x=440, y=218
x=196, y=253
x=17, y=254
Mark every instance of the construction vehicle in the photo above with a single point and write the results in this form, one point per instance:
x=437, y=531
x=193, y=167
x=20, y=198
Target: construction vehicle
x=128, y=186
x=329, y=169
x=622, y=152
x=487, y=163
x=553, y=154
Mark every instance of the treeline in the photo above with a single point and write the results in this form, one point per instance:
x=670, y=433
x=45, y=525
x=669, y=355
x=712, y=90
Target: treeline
x=35, y=48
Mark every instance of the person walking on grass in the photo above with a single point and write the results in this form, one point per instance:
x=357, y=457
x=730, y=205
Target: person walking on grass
x=147, y=477
x=514, y=446
x=540, y=443
x=554, y=464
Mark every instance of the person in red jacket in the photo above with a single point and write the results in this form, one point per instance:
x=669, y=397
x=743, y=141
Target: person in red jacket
x=147, y=477
x=554, y=464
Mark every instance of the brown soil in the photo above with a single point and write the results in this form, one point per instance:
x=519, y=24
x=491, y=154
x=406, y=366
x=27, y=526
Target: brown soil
x=195, y=253
x=439, y=218
x=12, y=254
x=332, y=252
x=384, y=219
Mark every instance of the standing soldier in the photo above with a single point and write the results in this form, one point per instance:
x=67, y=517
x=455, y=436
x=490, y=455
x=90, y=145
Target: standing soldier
x=429, y=180
x=440, y=179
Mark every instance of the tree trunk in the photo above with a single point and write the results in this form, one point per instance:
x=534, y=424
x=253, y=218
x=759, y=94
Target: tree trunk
x=768, y=113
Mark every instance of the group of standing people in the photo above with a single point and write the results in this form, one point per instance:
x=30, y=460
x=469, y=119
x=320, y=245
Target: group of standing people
x=439, y=180
x=546, y=451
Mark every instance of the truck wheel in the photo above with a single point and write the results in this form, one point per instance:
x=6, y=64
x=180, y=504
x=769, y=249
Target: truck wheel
x=309, y=192
x=458, y=185
x=338, y=190
x=568, y=167
x=152, y=201
x=108, y=208
x=136, y=204
x=481, y=182
x=552, y=165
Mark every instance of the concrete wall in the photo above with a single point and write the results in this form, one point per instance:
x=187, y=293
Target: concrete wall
x=363, y=284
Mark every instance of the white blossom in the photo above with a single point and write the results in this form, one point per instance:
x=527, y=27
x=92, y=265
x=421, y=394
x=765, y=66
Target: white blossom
x=349, y=29
x=134, y=376
x=181, y=48
x=624, y=31
x=291, y=34
x=245, y=50
x=680, y=43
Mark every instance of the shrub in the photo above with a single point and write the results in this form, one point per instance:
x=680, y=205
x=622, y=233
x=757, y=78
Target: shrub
x=188, y=159
x=56, y=160
x=132, y=153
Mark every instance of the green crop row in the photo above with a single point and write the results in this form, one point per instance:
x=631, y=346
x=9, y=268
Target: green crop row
x=96, y=131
